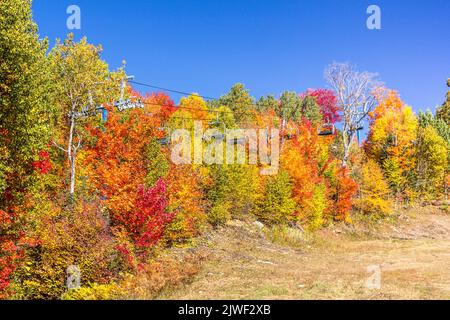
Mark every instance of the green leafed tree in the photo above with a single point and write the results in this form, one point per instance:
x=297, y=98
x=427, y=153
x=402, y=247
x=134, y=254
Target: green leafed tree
x=276, y=205
x=25, y=124
x=235, y=185
x=444, y=111
x=428, y=119
x=266, y=103
x=294, y=107
x=431, y=155
x=290, y=106
x=25, y=94
x=239, y=101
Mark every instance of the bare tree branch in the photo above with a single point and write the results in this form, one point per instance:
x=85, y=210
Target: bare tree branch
x=59, y=147
x=355, y=93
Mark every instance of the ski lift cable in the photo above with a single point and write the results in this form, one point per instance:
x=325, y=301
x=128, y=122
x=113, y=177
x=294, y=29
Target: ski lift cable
x=189, y=108
x=130, y=79
x=190, y=94
x=172, y=90
x=119, y=104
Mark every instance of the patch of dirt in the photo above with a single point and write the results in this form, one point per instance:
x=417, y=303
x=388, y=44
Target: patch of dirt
x=412, y=253
x=408, y=224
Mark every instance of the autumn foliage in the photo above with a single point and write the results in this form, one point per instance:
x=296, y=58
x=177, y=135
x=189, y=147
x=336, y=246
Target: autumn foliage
x=148, y=220
x=128, y=201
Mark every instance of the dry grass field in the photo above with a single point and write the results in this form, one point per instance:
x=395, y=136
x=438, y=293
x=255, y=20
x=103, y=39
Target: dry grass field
x=245, y=262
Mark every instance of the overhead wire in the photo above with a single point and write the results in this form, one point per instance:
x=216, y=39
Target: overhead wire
x=191, y=94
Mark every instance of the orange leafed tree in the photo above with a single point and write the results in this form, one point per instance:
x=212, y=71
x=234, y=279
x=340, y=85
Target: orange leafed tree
x=117, y=164
x=343, y=193
x=306, y=158
x=321, y=186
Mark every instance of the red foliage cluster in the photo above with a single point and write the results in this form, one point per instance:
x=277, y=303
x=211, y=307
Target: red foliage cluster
x=327, y=102
x=43, y=165
x=149, y=217
x=10, y=253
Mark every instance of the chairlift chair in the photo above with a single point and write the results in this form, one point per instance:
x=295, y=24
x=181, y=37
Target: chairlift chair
x=237, y=141
x=358, y=134
x=218, y=136
x=123, y=104
x=164, y=141
x=289, y=136
x=217, y=123
x=327, y=129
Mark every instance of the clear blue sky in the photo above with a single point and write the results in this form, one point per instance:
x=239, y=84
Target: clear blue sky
x=270, y=46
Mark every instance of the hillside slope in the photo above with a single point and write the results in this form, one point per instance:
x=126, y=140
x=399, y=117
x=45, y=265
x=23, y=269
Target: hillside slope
x=413, y=254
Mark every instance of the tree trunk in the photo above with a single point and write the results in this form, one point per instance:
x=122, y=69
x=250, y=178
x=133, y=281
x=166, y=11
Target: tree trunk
x=71, y=156
x=347, y=141
x=72, y=176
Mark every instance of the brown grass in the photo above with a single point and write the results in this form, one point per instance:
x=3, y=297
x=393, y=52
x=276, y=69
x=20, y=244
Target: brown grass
x=412, y=249
x=168, y=271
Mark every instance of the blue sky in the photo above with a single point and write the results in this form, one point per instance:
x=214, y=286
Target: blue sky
x=270, y=46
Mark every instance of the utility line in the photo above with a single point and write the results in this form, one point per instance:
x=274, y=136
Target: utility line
x=171, y=90
x=193, y=109
x=191, y=94
x=242, y=113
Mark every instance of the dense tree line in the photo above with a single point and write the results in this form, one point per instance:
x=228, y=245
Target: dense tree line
x=104, y=195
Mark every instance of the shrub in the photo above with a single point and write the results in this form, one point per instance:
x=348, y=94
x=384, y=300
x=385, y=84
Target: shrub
x=185, y=194
x=94, y=292
x=374, y=191
x=319, y=203
x=76, y=235
x=236, y=185
x=285, y=236
x=146, y=223
x=276, y=205
x=163, y=273
x=219, y=214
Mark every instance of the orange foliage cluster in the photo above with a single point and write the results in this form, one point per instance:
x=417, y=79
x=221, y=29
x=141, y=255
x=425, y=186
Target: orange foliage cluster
x=308, y=160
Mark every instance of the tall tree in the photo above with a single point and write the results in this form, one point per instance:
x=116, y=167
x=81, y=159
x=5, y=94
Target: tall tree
x=239, y=101
x=267, y=103
x=84, y=83
x=431, y=154
x=25, y=94
x=428, y=119
x=393, y=132
x=25, y=122
x=355, y=94
x=444, y=111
